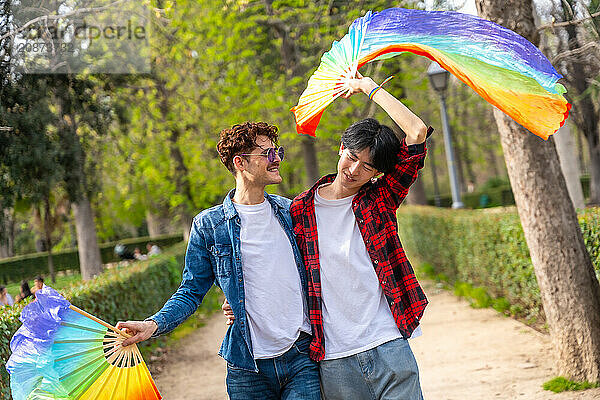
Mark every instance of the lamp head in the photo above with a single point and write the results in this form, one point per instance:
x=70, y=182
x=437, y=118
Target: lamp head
x=438, y=77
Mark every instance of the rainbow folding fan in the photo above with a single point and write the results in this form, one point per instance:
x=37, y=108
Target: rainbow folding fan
x=501, y=66
x=62, y=352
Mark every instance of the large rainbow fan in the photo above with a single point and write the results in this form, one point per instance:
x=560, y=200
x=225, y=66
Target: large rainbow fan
x=62, y=352
x=501, y=66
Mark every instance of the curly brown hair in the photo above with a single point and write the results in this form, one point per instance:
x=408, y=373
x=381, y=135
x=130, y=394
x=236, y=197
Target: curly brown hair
x=241, y=138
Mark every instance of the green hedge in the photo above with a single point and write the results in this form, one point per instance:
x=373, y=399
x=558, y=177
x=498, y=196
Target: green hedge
x=121, y=293
x=497, y=196
x=28, y=266
x=500, y=196
x=484, y=248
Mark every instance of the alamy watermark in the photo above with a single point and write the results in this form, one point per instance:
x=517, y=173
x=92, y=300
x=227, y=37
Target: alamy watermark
x=81, y=37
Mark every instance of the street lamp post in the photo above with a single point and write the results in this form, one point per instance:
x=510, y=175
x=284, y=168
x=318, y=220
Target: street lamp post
x=439, y=80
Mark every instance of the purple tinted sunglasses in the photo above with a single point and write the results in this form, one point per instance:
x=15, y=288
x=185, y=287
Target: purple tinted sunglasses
x=271, y=154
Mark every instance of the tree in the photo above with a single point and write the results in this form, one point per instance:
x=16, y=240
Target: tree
x=568, y=285
x=574, y=47
x=83, y=114
x=6, y=192
x=48, y=217
x=567, y=153
x=168, y=134
x=81, y=111
x=30, y=154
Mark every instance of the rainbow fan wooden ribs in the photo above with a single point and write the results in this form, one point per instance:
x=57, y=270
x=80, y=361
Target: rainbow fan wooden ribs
x=62, y=352
x=501, y=66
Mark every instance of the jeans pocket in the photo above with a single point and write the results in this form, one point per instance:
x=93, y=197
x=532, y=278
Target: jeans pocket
x=301, y=351
x=302, y=344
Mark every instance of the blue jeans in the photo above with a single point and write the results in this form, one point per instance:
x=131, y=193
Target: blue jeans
x=290, y=376
x=388, y=371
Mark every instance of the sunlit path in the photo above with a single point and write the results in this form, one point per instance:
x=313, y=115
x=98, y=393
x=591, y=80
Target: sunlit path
x=468, y=353
x=464, y=353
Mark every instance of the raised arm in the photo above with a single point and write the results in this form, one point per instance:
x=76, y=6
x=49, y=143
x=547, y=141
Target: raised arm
x=412, y=150
x=415, y=129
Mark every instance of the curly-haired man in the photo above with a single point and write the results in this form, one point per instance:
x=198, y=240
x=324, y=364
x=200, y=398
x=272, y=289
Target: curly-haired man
x=246, y=246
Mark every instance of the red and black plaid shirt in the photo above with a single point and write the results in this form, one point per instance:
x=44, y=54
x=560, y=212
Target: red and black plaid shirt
x=375, y=207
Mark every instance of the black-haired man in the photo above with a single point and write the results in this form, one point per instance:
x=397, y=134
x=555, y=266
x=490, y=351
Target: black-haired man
x=364, y=300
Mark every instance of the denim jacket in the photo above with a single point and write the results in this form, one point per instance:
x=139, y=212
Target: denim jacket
x=213, y=256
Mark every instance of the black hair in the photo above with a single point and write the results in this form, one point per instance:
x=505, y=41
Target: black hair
x=39, y=278
x=380, y=139
x=25, y=289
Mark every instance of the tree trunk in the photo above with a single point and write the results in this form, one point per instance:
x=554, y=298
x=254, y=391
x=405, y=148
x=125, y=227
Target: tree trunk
x=433, y=169
x=7, y=236
x=492, y=160
x=490, y=141
x=310, y=160
x=465, y=143
x=583, y=114
x=48, y=237
x=155, y=227
x=582, y=167
x=40, y=245
x=459, y=162
x=180, y=171
x=416, y=194
x=183, y=187
x=90, y=261
x=73, y=230
x=567, y=153
x=569, y=288
x=161, y=223
x=594, y=150
x=457, y=138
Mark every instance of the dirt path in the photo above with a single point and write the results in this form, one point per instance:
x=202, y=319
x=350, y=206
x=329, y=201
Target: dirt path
x=193, y=370
x=466, y=353
x=463, y=354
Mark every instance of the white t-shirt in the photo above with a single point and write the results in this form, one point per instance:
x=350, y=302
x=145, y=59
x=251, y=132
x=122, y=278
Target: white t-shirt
x=275, y=304
x=356, y=316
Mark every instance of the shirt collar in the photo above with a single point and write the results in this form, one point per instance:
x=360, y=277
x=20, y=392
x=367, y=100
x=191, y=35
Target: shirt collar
x=229, y=207
x=310, y=194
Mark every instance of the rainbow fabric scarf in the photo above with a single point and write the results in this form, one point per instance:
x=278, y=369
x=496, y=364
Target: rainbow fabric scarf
x=501, y=66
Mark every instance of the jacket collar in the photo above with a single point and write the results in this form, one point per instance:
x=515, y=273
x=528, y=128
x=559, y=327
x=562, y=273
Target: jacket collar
x=229, y=208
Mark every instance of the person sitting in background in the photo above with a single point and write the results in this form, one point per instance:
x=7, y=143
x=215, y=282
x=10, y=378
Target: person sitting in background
x=153, y=249
x=137, y=253
x=5, y=298
x=122, y=252
x=24, y=293
x=38, y=283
